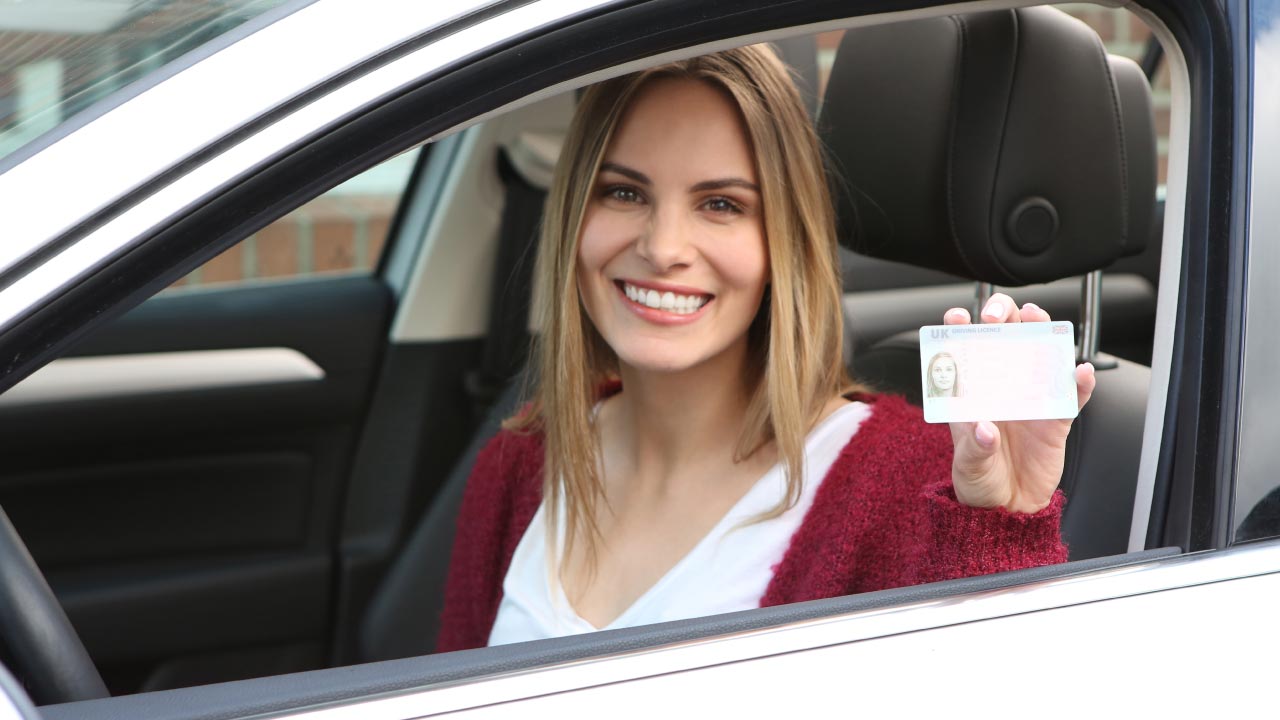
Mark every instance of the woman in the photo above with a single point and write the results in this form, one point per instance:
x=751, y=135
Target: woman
x=693, y=445
x=943, y=376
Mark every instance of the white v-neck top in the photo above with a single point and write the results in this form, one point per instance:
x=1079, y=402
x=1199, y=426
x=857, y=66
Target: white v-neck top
x=728, y=570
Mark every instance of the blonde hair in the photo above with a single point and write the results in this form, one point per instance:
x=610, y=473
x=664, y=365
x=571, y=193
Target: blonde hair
x=795, y=342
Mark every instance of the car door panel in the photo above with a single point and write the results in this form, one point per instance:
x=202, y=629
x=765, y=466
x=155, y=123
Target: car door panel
x=191, y=528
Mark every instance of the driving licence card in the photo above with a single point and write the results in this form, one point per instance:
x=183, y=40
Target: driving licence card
x=1000, y=371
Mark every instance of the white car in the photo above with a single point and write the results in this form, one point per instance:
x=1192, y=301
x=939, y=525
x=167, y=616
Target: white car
x=264, y=289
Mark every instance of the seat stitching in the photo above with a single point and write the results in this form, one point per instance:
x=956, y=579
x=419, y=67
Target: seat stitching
x=1119, y=126
x=956, y=87
x=1004, y=131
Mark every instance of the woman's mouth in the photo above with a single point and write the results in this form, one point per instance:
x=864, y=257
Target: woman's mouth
x=664, y=300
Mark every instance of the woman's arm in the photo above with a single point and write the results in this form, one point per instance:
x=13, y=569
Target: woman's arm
x=501, y=497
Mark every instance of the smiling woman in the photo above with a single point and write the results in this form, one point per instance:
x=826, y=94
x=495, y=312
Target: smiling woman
x=693, y=444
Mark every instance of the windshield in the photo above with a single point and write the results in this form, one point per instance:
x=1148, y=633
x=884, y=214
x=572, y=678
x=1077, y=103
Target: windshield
x=58, y=57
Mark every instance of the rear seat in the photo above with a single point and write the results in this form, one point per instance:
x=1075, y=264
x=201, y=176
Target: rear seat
x=1008, y=148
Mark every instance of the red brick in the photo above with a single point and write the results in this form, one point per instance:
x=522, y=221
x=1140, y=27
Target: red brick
x=1162, y=122
x=334, y=247
x=227, y=267
x=278, y=248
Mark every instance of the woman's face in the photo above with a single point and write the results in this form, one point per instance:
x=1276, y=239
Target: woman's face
x=672, y=263
x=944, y=373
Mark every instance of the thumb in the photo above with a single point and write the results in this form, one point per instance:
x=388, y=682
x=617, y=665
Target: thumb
x=975, y=450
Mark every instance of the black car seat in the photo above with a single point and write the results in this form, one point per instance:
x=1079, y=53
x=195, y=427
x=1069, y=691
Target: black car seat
x=1007, y=148
x=402, y=618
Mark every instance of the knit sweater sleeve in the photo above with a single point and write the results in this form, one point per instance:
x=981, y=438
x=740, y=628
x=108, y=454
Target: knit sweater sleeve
x=885, y=516
x=918, y=531
x=963, y=541
x=966, y=541
x=501, y=496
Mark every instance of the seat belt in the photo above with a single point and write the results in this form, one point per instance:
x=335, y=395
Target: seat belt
x=506, y=347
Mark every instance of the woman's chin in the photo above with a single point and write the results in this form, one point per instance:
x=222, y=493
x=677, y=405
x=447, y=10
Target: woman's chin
x=659, y=363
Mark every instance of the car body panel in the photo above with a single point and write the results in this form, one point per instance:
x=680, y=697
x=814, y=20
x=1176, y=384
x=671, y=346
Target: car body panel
x=1259, y=454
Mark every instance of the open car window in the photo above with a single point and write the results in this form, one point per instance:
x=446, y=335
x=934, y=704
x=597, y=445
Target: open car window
x=332, y=488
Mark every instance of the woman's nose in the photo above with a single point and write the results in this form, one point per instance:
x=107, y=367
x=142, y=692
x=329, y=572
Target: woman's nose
x=665, y=242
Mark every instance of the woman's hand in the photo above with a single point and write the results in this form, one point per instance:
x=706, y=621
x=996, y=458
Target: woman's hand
x=1015, y=465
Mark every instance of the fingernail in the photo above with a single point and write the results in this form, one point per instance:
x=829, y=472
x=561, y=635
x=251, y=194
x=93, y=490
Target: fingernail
x=995, y=310
x=955, y=312
x=1088, y=365
x=983, y=434
x=1033, y=306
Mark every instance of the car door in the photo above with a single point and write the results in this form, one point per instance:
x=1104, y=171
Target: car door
x=516, y=53
x=182, y=473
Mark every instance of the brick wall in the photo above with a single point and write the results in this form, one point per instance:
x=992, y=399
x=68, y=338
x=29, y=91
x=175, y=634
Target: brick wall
x=331, y=234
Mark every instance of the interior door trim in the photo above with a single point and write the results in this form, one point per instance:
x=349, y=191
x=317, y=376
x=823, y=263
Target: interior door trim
x=112, y=376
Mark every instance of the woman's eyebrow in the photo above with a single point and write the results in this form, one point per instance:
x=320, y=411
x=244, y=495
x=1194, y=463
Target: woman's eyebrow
x=626, y=172
x=724, y=183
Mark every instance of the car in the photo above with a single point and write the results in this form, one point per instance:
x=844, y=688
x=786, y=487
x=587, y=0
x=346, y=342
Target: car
x=239, y=498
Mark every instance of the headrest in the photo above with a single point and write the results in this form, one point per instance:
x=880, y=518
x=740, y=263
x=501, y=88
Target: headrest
x=1005, y=146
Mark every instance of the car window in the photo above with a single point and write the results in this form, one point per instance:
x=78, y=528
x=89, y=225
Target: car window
x=58, y=57
x=344, y=231
x=1101, y=529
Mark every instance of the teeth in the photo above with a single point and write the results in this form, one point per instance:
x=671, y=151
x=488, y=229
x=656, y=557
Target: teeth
x=668, y=301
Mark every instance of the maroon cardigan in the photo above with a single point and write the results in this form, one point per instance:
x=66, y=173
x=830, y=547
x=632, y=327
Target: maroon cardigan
x=885, y=516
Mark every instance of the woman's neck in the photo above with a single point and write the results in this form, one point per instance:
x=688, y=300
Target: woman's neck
x=670, y=420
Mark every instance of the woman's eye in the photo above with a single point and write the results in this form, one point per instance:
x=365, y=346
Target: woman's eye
x=723, y=205
x=623, y=193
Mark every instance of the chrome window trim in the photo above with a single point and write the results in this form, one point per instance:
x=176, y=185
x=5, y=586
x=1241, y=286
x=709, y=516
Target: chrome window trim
x=1175, y=196
x=1173, y=573
x=119, y=233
